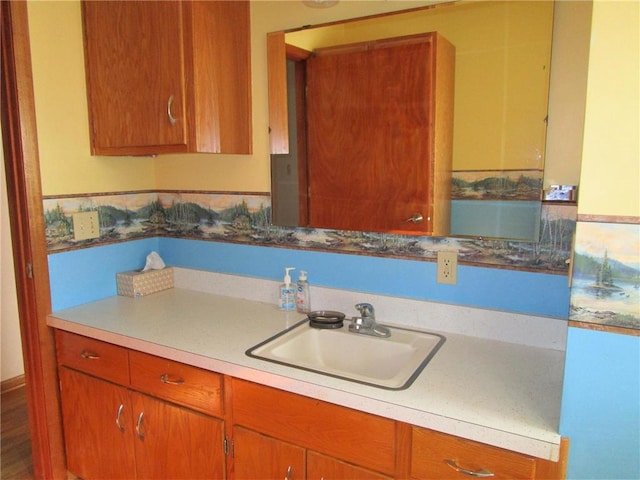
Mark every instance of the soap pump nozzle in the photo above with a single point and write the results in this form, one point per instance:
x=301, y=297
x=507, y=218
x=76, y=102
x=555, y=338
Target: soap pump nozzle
x=287, y=277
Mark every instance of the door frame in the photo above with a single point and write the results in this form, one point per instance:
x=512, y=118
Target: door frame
x=26, y=217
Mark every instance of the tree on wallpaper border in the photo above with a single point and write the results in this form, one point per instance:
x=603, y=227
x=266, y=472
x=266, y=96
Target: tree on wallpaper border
x=606, y=274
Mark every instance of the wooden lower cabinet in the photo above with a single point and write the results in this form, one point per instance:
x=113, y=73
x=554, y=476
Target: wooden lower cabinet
x=259, y=457
x=322, y=467
x=436, y=455
x=355, y=437
x=96, y=447
x=175, y=442
x=128, y=415
x=112, y=432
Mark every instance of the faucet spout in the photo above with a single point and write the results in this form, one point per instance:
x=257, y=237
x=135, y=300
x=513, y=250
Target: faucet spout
x=367, y=312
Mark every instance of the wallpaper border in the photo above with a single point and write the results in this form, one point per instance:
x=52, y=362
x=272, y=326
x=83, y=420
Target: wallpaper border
x=244, y=217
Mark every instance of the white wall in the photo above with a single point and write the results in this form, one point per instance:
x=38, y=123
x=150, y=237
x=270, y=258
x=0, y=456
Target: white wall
x=10, y=350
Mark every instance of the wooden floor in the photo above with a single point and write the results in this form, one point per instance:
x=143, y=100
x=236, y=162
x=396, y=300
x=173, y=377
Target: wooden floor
x=15, y=460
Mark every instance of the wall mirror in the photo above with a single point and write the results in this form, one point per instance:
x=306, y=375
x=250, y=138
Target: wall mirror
x=499, y=110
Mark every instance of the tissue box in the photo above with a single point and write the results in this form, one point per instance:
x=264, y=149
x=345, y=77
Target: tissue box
x=136, y=284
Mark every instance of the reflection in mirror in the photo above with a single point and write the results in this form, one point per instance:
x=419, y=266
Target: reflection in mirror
x=502, y=55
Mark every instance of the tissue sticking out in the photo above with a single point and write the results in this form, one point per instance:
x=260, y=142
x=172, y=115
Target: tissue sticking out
x=154, y=262
x=154, y=277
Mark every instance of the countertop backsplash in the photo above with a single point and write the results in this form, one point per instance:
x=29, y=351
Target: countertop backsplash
x=530, y=330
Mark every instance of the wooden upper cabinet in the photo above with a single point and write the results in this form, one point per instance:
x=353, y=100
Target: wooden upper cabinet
x=379, y=135
x=168, y=76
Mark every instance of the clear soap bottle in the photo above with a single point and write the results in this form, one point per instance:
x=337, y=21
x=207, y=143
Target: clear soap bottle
x=303, y=297
x=287, y=292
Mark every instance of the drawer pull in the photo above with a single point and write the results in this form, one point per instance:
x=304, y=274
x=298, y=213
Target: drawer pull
x=288, y=475
x=165, y=378
x=89, y=355
x=479, y=474
x=118, y=417
x=140, y=426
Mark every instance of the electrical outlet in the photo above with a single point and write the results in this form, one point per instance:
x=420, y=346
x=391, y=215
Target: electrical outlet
x=447, y=267
x=86, y=225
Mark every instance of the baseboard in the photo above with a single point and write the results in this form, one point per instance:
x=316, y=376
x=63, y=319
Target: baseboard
x=12, y=383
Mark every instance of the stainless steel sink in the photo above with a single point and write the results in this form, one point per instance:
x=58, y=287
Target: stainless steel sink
x=391, y=363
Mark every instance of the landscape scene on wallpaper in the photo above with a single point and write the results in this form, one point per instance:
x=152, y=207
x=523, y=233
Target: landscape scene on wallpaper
x=606, y=275
x=130, y=216
x=246, y=219
x=498, y=185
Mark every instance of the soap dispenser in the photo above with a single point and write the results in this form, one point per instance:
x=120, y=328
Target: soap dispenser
x=303, y=297
x=287, y=292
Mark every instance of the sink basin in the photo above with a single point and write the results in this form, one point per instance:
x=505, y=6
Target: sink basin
x=391, y=363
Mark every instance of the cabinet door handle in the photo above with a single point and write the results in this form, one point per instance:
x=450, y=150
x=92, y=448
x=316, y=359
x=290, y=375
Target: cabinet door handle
x=416, y=218
x=140, y=426
x=288, y=475
x=172, y=119
x=479, y=473
x=89, y=355
x=118, y=417
x=166, y=378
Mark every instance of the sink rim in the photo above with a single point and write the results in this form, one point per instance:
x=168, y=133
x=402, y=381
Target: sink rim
x=408, y=382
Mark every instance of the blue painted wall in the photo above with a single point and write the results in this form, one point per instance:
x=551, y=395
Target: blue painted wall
x=525, y=292
x=81, y=276
x=85, y=275
x=601, y=405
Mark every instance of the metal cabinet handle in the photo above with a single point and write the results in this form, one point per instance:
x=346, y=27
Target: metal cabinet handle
x=416, y=218
x=288, y=475
x=172, y=119
x=118, y=417
x=478, y=474
x=140, y=426
x=89, y=355
x=166, y=378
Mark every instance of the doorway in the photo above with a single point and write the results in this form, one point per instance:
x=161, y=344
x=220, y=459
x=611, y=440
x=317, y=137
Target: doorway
x=20, y=145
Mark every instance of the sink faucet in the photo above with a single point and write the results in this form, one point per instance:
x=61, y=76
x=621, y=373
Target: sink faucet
x=366, y=322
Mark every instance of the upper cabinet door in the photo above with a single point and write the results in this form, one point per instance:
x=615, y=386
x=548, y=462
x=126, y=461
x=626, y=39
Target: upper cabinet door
x=135, y=74
x=168, y=76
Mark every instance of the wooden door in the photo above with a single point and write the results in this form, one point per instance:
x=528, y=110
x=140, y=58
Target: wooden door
x=328, y=468
x=135, y=71
x=177, y=443
x=257, y=457
x=360, y=179
x=98, y=425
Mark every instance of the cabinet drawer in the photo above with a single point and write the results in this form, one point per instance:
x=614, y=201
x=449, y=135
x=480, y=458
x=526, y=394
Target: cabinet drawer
x=179, y=383
x=95, y=357
x=433, y=452
x=341, y=432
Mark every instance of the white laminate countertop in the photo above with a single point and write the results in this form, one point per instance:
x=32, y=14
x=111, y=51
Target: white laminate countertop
x=502, y=394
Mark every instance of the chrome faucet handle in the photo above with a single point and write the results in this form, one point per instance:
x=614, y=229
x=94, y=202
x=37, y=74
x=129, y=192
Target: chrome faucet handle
x=366, y=310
